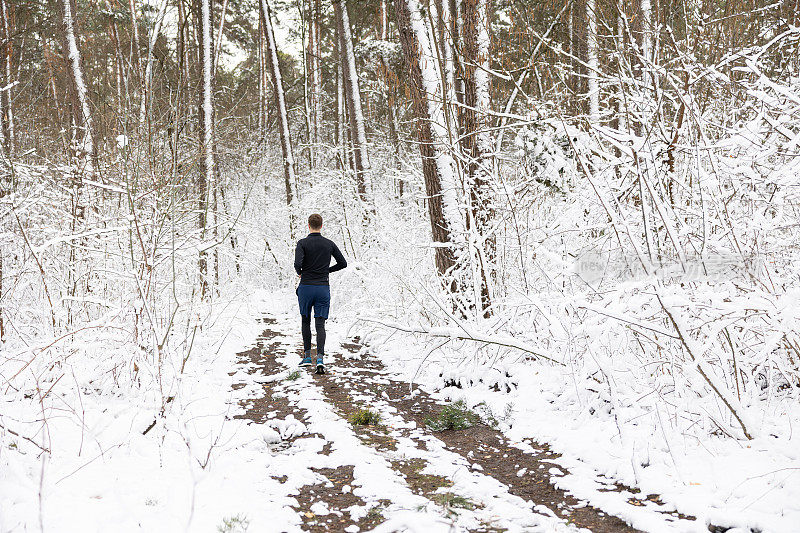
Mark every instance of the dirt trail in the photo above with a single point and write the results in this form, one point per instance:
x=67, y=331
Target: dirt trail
x=474, y=479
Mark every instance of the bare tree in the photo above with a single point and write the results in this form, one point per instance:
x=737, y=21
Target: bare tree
x=353, y=98
x=280, y=102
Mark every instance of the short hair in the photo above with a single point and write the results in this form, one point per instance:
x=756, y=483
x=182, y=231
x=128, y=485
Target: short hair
x=315, y=221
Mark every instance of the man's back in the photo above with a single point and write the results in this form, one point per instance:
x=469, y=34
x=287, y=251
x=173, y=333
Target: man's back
x=312, y=259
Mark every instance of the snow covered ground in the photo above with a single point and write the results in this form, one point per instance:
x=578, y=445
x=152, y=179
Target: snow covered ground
x=199, y=466
x=729, y=483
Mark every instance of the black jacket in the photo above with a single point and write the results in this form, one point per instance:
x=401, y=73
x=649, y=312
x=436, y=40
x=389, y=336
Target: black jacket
x=312, y=259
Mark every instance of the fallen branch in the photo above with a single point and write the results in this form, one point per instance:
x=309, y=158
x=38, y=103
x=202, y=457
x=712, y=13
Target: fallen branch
x=46, y=450
x=464, y=335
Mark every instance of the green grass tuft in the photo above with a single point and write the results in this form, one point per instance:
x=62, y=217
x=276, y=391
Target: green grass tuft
x=376, y=514
x=453, y=501
x=365, y=417
x=294, y=376
x=234, y=524
x=454, y=416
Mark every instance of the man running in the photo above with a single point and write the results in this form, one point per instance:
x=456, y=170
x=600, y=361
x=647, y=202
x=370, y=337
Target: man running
x=312, y=260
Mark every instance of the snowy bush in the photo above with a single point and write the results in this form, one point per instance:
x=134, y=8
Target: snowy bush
x=546, y=155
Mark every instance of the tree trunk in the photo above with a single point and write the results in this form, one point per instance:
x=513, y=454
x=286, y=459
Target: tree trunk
x=6, y=102
x=350, y=76
x=315, y=72
x=446, y=34
x=85, y=152
x=206, y=177
x=122, y=82
x=642, y=32
x=394, y=137
x=306, y=52
x=2, y=323
x=148, y=71
x=184, y=40
x=438, y=166
x=383, y=23
x=592, y=60
x=341, y=146
x=262, y=85
x=175, y=129
x=58, y=116
x=283, y=118
x=182, y=56
x=83, y=146
x=3, y=192
x=647, y=32
x=478, y=141
x=135, y=54
x=578, y=52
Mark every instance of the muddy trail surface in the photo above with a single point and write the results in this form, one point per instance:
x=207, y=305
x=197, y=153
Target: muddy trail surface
x=378, y=454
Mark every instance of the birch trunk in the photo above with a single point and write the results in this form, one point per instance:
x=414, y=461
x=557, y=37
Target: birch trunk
x=280, y=102
x=206, y=130
x=354, y=110
x=437, y=164
x=85, y=151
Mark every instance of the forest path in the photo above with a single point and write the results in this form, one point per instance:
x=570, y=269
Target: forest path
x=396, y=475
